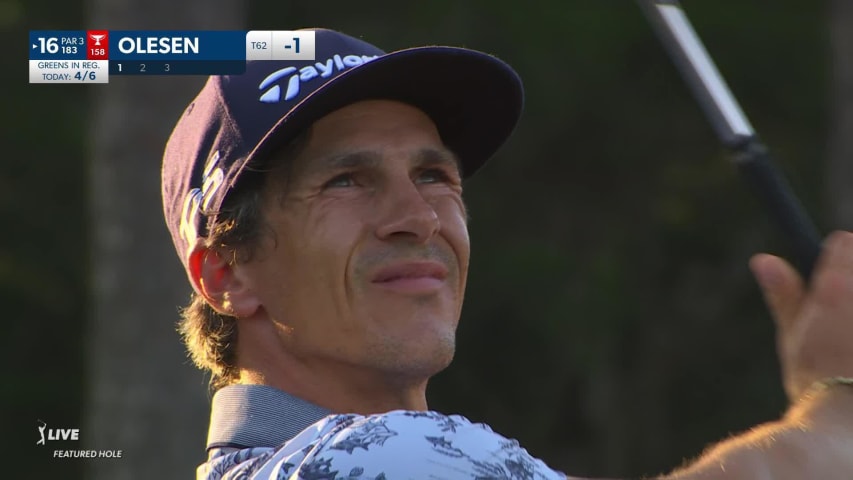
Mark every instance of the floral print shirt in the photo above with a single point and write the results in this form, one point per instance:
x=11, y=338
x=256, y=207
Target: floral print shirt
x=258, y=432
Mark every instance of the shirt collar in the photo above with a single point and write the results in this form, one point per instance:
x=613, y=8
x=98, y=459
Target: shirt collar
x=246, y=416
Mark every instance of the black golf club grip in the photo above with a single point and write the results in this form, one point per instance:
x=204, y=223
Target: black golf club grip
x=767, y=183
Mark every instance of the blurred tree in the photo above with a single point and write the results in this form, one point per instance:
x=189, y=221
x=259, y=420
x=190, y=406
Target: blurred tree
x=144, y=397
x=42, y=246
x=839, y=171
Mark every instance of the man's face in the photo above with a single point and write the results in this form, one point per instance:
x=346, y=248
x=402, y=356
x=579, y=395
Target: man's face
x=370, y=254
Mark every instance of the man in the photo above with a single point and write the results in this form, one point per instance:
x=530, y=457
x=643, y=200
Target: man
x=317, y=208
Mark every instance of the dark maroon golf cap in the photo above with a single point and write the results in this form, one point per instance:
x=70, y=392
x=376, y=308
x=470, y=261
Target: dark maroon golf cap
x=474, y=99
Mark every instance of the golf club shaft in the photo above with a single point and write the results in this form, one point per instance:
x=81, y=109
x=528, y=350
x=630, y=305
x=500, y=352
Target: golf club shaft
x=734, y=130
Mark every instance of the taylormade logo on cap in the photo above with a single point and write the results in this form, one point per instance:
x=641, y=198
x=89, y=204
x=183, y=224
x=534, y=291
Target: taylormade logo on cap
x=305, y=74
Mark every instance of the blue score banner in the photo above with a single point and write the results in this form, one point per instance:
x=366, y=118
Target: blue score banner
x=92, y=56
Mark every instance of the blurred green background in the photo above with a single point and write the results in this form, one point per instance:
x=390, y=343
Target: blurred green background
x=611, y=324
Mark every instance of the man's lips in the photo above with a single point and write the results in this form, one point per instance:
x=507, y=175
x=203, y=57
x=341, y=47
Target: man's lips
x=412, y=277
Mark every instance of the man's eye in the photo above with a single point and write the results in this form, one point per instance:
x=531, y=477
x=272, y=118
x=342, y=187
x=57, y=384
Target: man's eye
x=342, y=180
x=433, y=175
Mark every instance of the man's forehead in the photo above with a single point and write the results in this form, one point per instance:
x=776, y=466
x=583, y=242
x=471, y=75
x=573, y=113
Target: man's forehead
x=367, y=133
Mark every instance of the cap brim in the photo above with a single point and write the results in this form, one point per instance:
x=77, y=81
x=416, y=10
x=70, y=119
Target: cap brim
x=474, y=99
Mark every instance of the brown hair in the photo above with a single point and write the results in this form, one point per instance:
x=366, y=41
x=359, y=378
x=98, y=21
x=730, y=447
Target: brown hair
x=211, y=337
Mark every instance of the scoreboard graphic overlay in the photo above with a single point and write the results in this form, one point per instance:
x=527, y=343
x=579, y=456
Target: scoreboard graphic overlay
x=92, y=56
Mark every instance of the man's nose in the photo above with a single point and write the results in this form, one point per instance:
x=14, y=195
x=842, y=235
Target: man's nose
x=405, y=213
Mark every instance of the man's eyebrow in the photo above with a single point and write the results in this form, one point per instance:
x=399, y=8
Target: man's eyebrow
x=438, y=157
x=428, y=156
x=342, y=161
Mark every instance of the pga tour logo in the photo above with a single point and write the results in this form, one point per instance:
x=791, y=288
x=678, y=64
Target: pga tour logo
x=272, y=91
x=52, y=434
x=56, y=433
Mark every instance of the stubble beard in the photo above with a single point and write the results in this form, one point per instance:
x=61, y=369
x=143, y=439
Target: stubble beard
x=414, y=361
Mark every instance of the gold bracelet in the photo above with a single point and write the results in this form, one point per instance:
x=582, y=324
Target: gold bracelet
x=827, y=383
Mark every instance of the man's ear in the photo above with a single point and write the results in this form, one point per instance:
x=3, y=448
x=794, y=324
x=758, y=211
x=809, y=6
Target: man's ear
x=215, y=279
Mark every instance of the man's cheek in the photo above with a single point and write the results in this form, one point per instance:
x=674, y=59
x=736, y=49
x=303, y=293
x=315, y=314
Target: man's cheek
x=456, y=230
x=452, y=214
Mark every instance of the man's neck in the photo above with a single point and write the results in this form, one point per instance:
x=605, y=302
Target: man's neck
x=341, y=389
